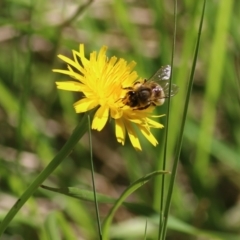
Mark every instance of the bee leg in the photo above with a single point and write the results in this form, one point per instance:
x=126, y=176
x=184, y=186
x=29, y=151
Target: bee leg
x=127, y=88
x=136, y=83
x=120, y=99
x=144, y=107
x=139, y=82
x=123, y=100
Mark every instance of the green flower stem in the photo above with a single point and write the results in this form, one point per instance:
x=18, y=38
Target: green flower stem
x=78, y=132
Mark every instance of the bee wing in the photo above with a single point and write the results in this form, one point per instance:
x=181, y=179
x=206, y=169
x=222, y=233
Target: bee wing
x=163, y=73
x=165, y=86
x=162, y=77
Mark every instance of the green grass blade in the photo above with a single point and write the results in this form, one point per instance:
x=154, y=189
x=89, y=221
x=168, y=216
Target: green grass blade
x=167, y=123
x=88, y=195
x=181, y=74
x=66, y=228
x=133, y=187
x=181, y=226
x=238, y=83
x=82, y=194
x=133, y=228
x=213, y=86
x=145, y=233
x=93, y=179
x=178, y=150
x=51, y=227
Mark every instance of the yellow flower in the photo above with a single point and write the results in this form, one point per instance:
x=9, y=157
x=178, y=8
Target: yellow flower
x=101, y=80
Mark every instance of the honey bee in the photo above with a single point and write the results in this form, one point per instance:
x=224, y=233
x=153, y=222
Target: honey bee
x=151, y=92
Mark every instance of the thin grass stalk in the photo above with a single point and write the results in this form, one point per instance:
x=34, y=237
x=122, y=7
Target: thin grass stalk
x=93, y=179
x=179, y=143
x=238, y=84
x=78, y=12
x=167, y=122
x=145, y=231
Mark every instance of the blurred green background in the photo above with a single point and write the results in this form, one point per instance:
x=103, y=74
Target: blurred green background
x=36, y=119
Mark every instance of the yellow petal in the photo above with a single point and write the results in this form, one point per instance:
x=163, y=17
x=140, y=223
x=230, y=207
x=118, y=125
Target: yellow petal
x=111, y=62
x=81, y=51
x=154, y=124
x=84, y=105
x=66, y=72
x=148, y=135
x=69, y=61
x=100, y=118
x=76, y=57
x=131, y=65
x=76, y=75
x=70, y=73
x=69, y=86
x=81, y=55
x=137, y=120
x=120, y=131
x=133, y=136
x=116, y=113
x=102, y=55
x=93, y=57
